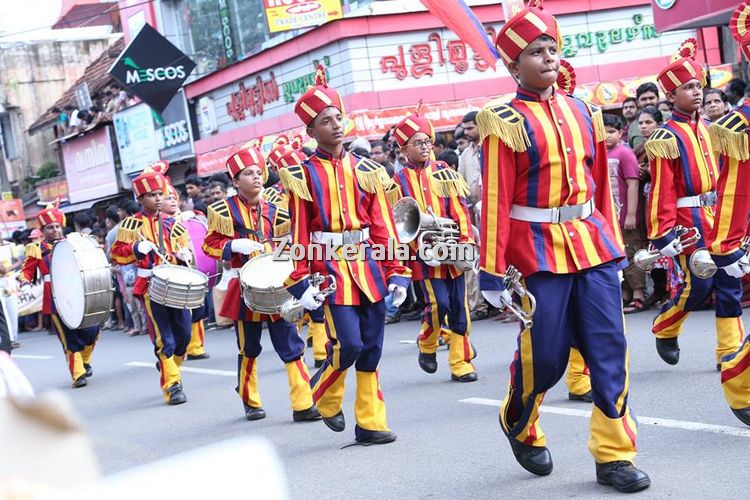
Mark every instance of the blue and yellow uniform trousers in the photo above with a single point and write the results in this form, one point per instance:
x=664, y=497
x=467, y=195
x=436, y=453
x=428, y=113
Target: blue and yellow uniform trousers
x=316, y=330
x=78, y=345
x=169, y=329
x=584, y=310
x=355, y=335
x=197, y=344
x=290, y=348
x=691, y=295
x=447, y=310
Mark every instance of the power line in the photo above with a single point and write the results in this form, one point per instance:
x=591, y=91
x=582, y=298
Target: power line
x=87, y=19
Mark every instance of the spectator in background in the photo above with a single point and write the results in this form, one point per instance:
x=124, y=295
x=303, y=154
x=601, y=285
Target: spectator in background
x=206, y=194
x=360, y=147
x=735, y=91
x=378, y=153
x=461, y=141
x=438, y=147
x=61, y=126
x=112, y=222
x=630, y=113
x=647, y=94
x=194, y=193
x=218, y=191
x=83, y=222
x=715, y=104
x=666, y=108
x=451, y=158
x=624, y=178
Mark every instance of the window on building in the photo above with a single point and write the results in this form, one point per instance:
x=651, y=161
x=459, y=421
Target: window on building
x=9, y=143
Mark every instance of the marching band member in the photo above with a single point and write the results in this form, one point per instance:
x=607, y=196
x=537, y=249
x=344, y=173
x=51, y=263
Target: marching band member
x=237, y=228
x=547, y=210
x=143, y=238
x=684, y=173
x=437, y=187
x=196, y=349
x=725, y=241
x=337, y=200
x=78, y=345
x=282, y=156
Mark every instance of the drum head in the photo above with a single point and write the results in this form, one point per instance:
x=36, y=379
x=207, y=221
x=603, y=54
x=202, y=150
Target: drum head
x=67, y=284
x=180, y=275
x=265, y=272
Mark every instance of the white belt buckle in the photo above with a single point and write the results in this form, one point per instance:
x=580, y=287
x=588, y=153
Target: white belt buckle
x=708, y=199
x=569, y=212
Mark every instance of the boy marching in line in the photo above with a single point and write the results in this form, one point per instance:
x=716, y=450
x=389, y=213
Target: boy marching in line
x=145, y=238
x=197, y=347
x=336, y=200
x=237, y=230
x=78, y=344
x=547, y=210
x=725, y=241
x=441, y=190
x=683, y=192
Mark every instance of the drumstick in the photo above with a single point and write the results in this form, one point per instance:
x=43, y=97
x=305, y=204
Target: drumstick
x=156, y=251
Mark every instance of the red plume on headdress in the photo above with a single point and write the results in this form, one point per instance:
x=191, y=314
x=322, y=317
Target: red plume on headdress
x=686, y=50
x=160, y=167
x=320, y=76
x=566, y=77
x=296, y=142
x=280, y=140
x=536, y=4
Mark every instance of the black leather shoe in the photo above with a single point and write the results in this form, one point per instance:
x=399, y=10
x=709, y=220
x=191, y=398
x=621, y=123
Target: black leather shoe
x=309, y=341
x=469, y=377
x=377, y=437
x=336, y=423
x=535, y=459
x=89, y=370
x=394, y=318
x=412, y=315
x=441, y=341
x=586, y=398
x=308, y=415
x=80, y=382
x=718, y=367
x=176, y=396
x=623, y=475
x=191, y=357
x=428, y=362
x=743, y=414
x=669, y=350
x=253, y=413
x=319, y=362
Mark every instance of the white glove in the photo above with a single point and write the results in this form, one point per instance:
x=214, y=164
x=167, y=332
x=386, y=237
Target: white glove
x=673, y=249
x=311, y=299
x=185, y=255
x=246, y=246
x=146, y=247
x=398, y=293
x=739, y=268
x=496, y=298
x=621, y=275
x=432, y=262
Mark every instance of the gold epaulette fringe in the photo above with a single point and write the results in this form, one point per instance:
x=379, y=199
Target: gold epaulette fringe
x=506, y=124
x=273, y=196
x=447, y=183
x=179, y=237
x=597, y=118
x=219, y=218
x=294, y=180
x=127, y=231
x=34, y=251
x=662, y=144
x=393, y=193
x=282, y=224
x=729, y=136
x=371, y=175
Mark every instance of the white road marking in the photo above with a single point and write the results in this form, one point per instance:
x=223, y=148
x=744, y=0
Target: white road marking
x=183, y=368
x=30, y=356
x=407, y=341
x=656, y=422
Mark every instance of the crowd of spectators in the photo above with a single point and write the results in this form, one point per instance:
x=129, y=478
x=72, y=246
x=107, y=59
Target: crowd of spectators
x=71, y=120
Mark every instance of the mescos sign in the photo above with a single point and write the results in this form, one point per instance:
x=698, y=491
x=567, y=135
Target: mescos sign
x=152, y=68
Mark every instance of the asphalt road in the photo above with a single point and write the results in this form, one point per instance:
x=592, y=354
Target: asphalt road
x=690, y=443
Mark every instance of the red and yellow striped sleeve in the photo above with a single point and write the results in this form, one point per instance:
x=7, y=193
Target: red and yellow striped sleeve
x=31, y=261
x=220, y=230
x=499, y=177
x=732, y=211
x=661, y=208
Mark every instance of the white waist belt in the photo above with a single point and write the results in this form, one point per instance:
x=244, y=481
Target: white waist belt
x=554, y=215
x=700, y=200
x=47, y=278
x=344, y=238
x=143, y=273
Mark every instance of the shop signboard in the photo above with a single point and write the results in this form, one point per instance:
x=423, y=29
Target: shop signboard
x=11, y=216
x=89, y=166
x=285, y=15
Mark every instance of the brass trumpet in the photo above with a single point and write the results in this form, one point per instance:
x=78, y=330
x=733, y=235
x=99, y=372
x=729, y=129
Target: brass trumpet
x=512, y=283
x=429, y=230
x=703, y=265
x=645, y=259
x=292, y=311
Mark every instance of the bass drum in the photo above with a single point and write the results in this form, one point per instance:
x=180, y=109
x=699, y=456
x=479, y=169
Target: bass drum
x=81, y=282
x=197, y=231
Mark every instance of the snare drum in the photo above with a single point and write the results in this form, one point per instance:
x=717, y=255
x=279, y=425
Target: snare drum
x=178, y=287
x=262, y=283
x=81, y=282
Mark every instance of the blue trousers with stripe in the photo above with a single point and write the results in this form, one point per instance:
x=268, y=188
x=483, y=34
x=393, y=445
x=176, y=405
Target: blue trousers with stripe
x=175, y=328
x=284, y=336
